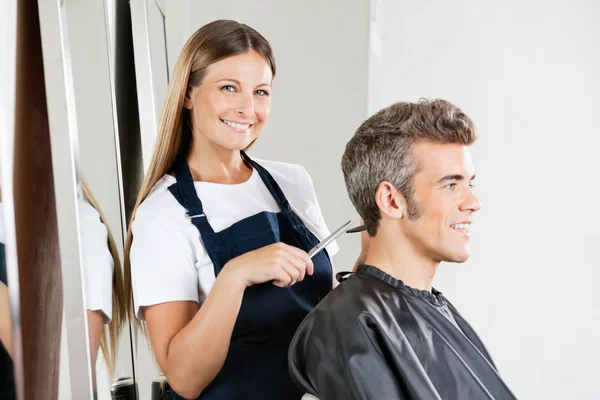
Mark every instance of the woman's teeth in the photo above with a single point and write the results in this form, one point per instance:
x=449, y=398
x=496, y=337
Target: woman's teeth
x=238, y=126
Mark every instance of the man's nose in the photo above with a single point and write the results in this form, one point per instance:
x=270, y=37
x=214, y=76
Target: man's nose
x=471, y=203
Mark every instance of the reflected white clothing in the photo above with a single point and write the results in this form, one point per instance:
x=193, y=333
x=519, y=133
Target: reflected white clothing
x=98, y=263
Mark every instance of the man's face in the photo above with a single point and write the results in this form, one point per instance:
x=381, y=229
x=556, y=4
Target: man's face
x=443, y=202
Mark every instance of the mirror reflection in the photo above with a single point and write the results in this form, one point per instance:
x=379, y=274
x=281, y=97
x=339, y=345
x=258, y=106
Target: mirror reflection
x=99, y=193
x=7, y=380
x=106, y=311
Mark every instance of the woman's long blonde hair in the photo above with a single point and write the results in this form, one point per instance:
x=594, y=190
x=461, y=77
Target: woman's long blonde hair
x=110, y=343
x=211, y=43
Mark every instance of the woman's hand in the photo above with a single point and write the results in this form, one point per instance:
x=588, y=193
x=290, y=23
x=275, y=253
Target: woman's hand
x=281, y=263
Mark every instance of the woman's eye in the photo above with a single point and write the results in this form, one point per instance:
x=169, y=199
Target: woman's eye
x=261, y=92
x=228, y=88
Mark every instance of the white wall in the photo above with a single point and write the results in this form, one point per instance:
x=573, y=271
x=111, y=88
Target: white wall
x=527, y=73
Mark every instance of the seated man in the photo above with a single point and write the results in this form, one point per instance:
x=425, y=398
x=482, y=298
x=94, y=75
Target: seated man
x=385, y=333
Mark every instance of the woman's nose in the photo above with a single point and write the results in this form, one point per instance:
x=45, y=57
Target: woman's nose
x=245, y=105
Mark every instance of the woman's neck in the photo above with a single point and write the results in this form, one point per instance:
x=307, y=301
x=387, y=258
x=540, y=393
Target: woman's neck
x=209, y=162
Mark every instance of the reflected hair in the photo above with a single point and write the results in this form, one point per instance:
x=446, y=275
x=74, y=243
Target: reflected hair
x=109, y=342
x=381, y=150
x=211, y=43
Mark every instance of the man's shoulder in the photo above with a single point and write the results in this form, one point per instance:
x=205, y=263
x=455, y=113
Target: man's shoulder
x=353, y=297
x=360, y=299
x=338, y=315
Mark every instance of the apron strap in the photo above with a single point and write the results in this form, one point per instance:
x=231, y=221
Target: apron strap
x=185, y=192
x=270, y=183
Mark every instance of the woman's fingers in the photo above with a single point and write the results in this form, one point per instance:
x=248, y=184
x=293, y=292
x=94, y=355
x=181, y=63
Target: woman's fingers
x=302, y=255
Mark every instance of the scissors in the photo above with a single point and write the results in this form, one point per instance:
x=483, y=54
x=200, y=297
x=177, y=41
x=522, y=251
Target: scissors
x=325, y=242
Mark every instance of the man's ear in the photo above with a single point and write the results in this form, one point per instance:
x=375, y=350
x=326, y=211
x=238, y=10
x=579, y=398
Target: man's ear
x=390, y=201
x=188, y=101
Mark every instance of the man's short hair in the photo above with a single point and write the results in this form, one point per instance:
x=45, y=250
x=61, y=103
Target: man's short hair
x=381, y=150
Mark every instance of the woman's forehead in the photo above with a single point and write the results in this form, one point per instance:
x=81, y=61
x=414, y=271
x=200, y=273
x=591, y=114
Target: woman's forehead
x=247, y=67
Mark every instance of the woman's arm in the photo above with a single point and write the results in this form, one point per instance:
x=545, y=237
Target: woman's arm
x=95, y=327
x=190, y=345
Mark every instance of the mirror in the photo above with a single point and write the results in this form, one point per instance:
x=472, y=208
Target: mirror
x=79, y=66
x=7, y=378
x=100, y=192
x=89, y=82
x=9, y=305
x=30, y=261
x=9, y=282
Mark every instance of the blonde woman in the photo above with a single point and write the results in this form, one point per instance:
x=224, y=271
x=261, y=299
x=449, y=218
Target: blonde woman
x=218, y=241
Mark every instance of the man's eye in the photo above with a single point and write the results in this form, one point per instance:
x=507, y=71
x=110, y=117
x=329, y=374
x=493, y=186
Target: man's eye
x=261, y=92
x=450, y=186
x=472, y=185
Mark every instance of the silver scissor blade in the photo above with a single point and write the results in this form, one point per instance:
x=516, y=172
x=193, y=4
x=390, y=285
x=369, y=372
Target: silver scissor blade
x=325, y=242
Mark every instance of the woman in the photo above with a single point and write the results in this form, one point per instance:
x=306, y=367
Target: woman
x=216, y=252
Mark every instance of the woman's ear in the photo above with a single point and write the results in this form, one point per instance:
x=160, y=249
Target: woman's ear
x=188, y=101
x=390, y=201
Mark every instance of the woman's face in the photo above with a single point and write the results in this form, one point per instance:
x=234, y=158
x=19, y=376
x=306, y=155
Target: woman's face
x=231, y=106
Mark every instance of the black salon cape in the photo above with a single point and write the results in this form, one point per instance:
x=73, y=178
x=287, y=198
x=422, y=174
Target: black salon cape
x=375, y=338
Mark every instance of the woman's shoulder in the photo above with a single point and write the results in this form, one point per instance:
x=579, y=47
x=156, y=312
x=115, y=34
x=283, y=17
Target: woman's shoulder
x=160, y=201
x=284, y=172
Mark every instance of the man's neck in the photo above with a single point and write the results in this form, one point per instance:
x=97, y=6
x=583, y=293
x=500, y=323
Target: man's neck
x=396, y=256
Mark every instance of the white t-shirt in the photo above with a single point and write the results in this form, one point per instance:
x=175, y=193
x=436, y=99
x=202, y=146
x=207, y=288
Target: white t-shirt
x=168, y=259
x=98, y=263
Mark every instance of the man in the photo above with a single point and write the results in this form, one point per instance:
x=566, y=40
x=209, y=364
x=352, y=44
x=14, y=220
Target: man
x=385, y=333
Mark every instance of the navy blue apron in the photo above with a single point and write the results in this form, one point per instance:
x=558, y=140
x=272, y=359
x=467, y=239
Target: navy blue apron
x=256, y=366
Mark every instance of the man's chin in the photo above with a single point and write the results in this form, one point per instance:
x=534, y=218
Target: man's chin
x=461, y=260
x=458, y=257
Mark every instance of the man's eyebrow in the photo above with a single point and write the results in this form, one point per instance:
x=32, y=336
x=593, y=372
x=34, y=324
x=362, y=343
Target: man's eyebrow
x=454, y=177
